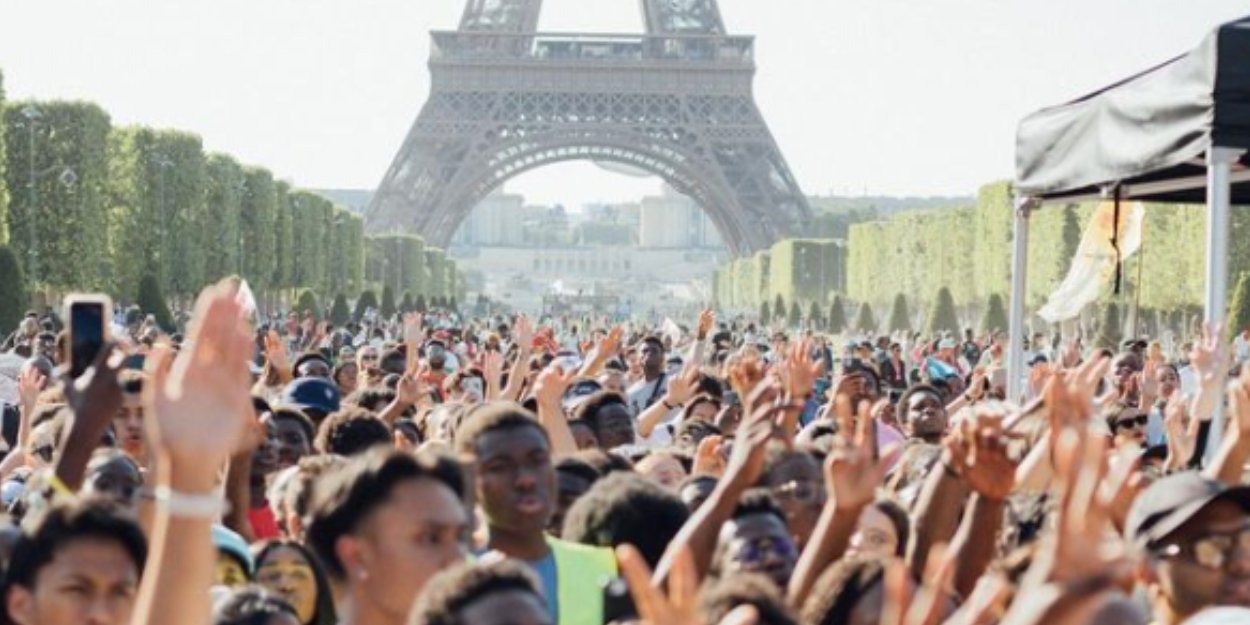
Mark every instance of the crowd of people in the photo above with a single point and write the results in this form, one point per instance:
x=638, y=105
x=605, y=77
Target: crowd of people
x=430, y=469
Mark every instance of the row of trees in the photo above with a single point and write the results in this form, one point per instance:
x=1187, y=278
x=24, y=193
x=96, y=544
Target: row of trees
x=86, y=205
x=942, y=317
x=965, y=252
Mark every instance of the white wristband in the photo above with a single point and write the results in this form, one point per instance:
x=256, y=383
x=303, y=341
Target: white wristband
x=189, y=506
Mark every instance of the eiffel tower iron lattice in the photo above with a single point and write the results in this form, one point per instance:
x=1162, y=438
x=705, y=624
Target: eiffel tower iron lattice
x=676, y=102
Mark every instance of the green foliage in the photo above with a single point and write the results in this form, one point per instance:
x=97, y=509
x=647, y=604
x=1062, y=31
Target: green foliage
x=766, y=313
x=307, y=302
x=995, y=317
x=15, y=298
x=340, y=312
x=151, y=300
x=942, y=317
x=1110, y=332
x=288, y=266
x=1239, y=311
x=421, y=304
x=368, y=299
x=406, y=303
x=258, y=225
x=795, y=320
x=58, y=225
x=837, y=315
x=388, y=302
x=900, y=315
x=4, y=188
x=866, y=321
x=224, y=198
x=815, y=316
x=779, y=309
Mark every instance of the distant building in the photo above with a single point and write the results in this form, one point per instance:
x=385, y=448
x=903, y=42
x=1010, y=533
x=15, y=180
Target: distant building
x=498, y=221
x=672, y=220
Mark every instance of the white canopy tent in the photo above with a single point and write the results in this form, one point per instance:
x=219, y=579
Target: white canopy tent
x=1179, y=132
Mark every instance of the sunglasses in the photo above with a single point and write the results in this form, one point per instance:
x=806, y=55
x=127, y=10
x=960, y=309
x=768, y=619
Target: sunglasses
x=800, y=491
x=1210, y=552
x=757, y=551
x=1138, y=421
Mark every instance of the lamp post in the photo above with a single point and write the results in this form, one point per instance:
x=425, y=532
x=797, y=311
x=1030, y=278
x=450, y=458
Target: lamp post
x=164, y=164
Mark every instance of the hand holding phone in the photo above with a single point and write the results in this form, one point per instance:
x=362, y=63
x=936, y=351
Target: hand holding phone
x=88, y=330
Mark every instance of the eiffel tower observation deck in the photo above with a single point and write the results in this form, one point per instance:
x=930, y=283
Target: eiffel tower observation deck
x=676, y=102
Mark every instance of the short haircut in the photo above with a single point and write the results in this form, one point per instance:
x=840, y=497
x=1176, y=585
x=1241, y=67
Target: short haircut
x=451, y=591
x=65, y=522
x=343, y=499
x=758, y=501
x=591, y=408
x=916, y=389
x=606, y=462
x=292, y=413
x=131, y=381
x=578, y=467
x=493, y=417
x=841, y=587
x=250, y=605
x=625, y=508
x=298, y=493
x=352, y=431
x=373, y=398
x=720, y=598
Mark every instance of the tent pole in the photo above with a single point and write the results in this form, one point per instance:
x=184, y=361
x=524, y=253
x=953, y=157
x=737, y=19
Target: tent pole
x=1019, y=289
x=1219, y=181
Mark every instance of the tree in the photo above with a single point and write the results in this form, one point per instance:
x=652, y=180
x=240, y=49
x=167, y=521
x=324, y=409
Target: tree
x=866, y=321
x=13, y=303
x=796, y=315
x=453, y=304
x=837, y=315
x=766, y=313
x=1109, y=331
x=1239, y=312
x=340, y=313
x=943, y=319
x=900, y=316
x=152, y=301
x=995, y=317
x=406, y=303
x=368, y=299
x=421, y=305
x=779, y=309
x=307, y=302
x=388, y=302
x=814, y=315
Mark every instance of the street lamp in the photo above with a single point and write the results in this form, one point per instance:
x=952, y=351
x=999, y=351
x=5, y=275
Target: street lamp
x=67, y=177
x=163, y=162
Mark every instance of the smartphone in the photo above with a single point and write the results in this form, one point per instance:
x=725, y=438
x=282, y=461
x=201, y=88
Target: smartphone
x=618, y=605
x=88, y=329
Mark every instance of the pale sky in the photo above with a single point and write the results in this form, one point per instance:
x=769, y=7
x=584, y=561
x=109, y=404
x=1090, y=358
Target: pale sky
x=895, y=97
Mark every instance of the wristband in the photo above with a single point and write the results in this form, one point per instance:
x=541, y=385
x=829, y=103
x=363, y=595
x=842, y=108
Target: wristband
x=187, y=506
x=668, y=405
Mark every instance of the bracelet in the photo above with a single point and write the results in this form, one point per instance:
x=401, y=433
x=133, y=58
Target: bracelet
x=188, y=506
x=668, y=405
x=58, y=486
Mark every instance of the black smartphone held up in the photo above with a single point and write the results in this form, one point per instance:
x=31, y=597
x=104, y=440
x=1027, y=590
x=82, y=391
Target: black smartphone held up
x=618, y=605
x=88, y=329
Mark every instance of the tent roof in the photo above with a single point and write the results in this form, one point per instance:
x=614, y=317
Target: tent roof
x=1150, y=133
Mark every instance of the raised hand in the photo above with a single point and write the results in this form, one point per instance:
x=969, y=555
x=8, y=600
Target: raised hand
x=523, y=333
x=551, y=384
x=411, y=388
x=1182, y=433
x=709, y=458
x=978, y=452
x=414, y=328
x=853, y=470
x=29, y=384
x=611, y=343
x=803, y=370
x=275, y=351
x=707, y=319
x=492, y=366
x=199, y=409
x=680, y=605
x=683, y=387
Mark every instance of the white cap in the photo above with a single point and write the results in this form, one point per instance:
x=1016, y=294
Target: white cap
x=1220, y=616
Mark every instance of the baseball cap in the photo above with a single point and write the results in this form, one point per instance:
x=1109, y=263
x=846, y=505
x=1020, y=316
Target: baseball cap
x=1220, y=616
x=947, y=344
x=312, y=393
x=228, y=541
x=1172, y=501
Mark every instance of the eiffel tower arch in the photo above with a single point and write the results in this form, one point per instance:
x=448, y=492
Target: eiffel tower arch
x=676, y=102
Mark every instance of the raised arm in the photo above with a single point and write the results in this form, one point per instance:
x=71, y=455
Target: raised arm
x=198, y=412
x=549, y=390
x=95, y=398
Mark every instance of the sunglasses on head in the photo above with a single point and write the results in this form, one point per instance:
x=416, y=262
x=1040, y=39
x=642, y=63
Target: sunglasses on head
x=1139, y=421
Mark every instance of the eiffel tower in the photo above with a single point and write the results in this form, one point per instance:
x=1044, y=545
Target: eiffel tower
x=675, y=102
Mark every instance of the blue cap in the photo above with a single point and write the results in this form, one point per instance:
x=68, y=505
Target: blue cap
x=312, y=393
x=227, y=541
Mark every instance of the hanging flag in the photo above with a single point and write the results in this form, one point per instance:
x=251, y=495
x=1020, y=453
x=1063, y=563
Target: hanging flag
x=1096, y=259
